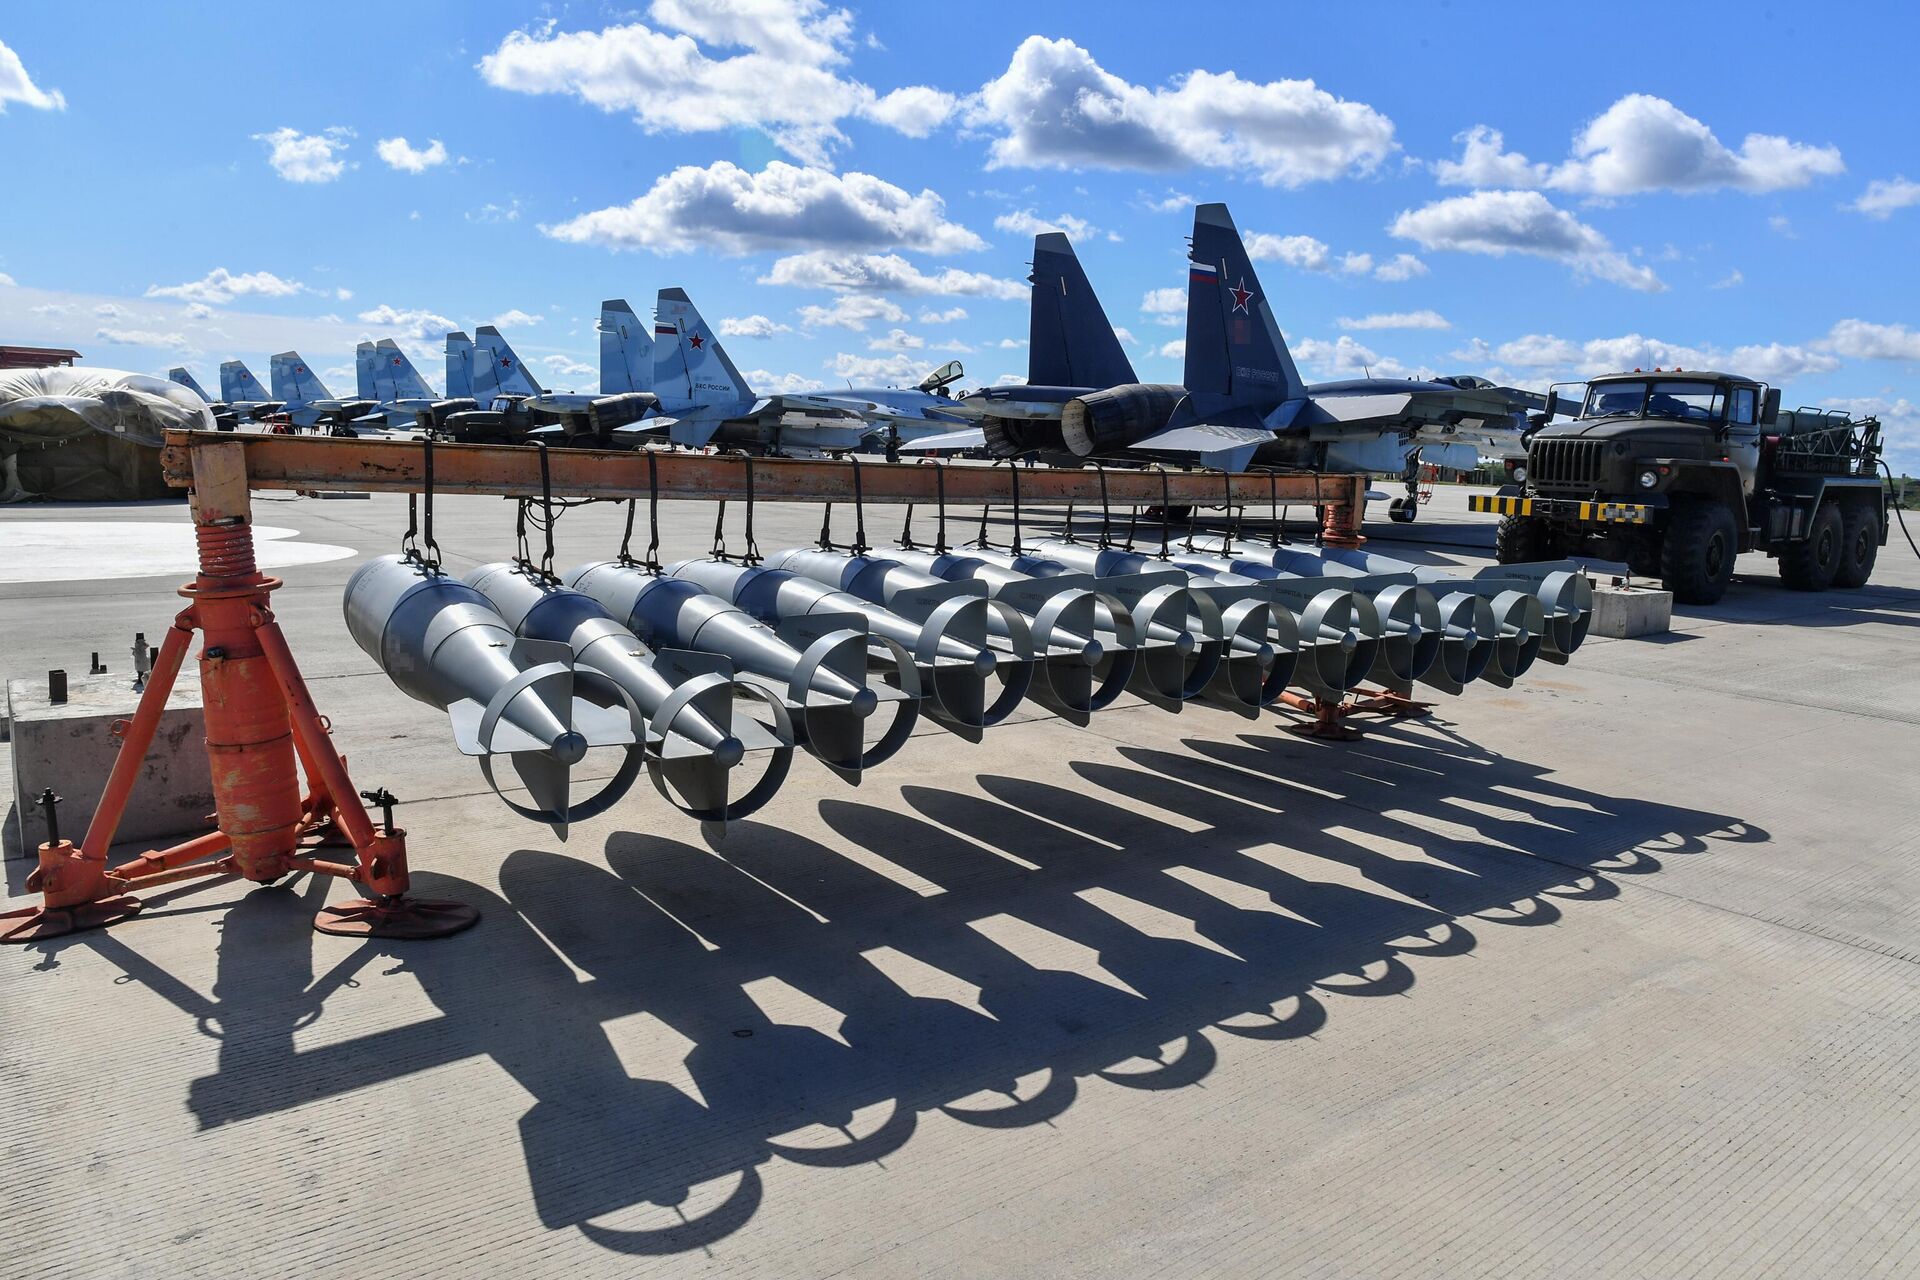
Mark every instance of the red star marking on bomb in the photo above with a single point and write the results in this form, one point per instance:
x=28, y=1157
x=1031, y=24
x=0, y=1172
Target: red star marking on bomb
x=696, y=341
x=1241, y=295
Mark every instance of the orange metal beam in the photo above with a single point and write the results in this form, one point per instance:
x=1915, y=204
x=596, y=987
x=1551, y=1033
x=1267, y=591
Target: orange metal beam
x=397, y=466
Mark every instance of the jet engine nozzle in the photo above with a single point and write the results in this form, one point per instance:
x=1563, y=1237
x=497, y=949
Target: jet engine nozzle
x=1113, y=419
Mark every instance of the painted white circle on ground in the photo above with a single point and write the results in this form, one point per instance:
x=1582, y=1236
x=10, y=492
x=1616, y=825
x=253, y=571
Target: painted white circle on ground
x=86, y=550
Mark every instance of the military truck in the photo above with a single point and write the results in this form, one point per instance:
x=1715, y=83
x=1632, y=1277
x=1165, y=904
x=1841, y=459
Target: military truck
x=1676, y=472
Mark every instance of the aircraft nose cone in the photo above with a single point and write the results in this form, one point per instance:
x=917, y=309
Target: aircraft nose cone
x=729, y=752
x=1092, y=651
x=864, y=702
x=568, y=748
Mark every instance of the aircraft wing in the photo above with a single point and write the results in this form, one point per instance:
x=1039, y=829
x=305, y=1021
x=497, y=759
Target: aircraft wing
x=824, y=406
x=969, y=438
x=1212, y=445
x=1389, y=406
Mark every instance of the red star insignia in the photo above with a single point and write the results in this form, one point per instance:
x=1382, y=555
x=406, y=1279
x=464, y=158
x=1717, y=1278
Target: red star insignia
x=1241, y=295
x=505, y=363
x=696, y=341
x=396, y=361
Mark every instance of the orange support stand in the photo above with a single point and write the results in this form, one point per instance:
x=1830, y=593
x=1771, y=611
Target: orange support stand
x=1329, y=716
x=260, y=721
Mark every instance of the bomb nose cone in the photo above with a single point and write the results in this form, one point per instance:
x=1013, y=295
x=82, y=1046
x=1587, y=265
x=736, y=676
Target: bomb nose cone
x=729, y=752
x=1183, y=643
x=1349, y=642
x=983, y=663
x=1470, y=637
x=864, y=702
x=568, y=748
x=1092, y=651
x=1414, y=632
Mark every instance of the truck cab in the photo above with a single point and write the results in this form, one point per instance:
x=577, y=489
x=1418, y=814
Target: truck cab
x=1678, y=471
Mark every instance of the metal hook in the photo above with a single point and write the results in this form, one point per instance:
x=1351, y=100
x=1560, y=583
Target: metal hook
x=1166, y=510
x=1106, y=516
x=940, y=490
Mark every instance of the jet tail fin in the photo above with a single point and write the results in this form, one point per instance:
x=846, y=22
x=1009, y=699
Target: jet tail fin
x=1071, y=343
x=237, y=383
x=626, y=350
x=460, y=367
x=186, y=379
x=398, y=379
x=505, y=371
x=293, y=381
x=1234, y=345
x=689, y=365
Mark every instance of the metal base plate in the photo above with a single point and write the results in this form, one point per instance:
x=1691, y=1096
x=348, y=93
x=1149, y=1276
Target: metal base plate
x=398, y=918
x=35, y=924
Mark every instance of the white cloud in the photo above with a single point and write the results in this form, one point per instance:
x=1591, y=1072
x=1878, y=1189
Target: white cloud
x=852, y=311
x=413, y=324
x=1345, y=355
x=17, y=86
x=1166, y=306
x=1642, y=143
x=1864, y=340
x=1884, y=196
x=767, y=383
x=140, y=338
x=1172, y=202
x=1404, y=266
x=199, y=311
x=1175, y=350
x=307, y=157
x=725, y=209
x=1564, y=359
x=754, y=326
x=1056, y=108
x=949, y=316
x=108, y=311
x=1397, y=320
x=1028, y=223
x=1356, y=264
x=1502, y=222
x=402, y=155
x=886, y=272
x=897, y=340
x=344, y=295
x=220, y=286
x=1303, y=252
x=1781, y=223
x=565, y=366
x=513, y=318
x=1125, y=334
x=1778, y=361
x=1485, y=162
x=785, y=83
x=890, y=370
x=7, y=281
x=1730, y=280
x=1011, y=344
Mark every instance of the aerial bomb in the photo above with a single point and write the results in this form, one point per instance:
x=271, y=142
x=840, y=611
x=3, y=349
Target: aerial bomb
x=1255, y=642
x=1085, y=647
x=943, y=651
x=1171, y=665
x=694, y=741
x=444, y=644
x=817, y=666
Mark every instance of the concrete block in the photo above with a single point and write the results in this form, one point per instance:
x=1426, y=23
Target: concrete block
x=71, y=748
x=1624, y=612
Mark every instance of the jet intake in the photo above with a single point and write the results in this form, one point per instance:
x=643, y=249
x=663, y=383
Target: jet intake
x=1116, y=417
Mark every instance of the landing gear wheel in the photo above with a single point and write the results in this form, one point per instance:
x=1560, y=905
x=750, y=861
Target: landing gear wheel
x=1811, y=565
x=1521, y=540
x=1403, y=510
x=1696, y=558
x=1859, y=544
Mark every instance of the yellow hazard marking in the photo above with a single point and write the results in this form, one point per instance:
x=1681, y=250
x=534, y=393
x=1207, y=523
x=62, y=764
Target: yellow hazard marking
x=1500, y=506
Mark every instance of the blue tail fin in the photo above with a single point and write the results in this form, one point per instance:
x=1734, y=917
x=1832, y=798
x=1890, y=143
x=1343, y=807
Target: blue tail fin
x=293, y=381
x=1071, y=342
x=689, y=366
x=508, y=376
x=626, y=350
x=238, y=385
x=1234, y=347
x=186, y=380
x=460, y=367
x=398, y=379
x=366, y=373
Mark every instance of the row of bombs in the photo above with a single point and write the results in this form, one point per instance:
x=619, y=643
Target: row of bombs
x=699, y=667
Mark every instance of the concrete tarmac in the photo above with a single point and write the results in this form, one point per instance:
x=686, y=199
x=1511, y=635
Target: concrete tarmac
x=1610, y=974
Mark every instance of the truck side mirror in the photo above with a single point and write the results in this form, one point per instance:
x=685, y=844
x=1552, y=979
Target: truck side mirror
x=1770, y=407
x=1553, y=405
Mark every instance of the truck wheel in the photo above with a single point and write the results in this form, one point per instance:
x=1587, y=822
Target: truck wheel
x=1696, y=557
x=1809, y=565
x=1521, y=540
x=1643, y=558
x=1859, y=544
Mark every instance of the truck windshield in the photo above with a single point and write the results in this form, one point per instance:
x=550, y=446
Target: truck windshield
x=1689, y=401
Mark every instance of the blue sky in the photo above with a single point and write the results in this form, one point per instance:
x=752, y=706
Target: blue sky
x=1513, y=190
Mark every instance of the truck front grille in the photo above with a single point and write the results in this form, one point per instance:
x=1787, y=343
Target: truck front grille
x=1566, y=466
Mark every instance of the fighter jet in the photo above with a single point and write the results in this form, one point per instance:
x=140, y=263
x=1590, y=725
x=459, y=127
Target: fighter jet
x=241, y=392
x=626, y=350
x=384, y=375
x=224, y=418
x=707, y=401
x=1242, y=400
x=306, y=400
x=492, y=396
